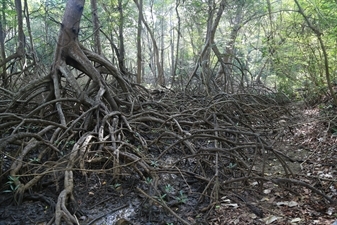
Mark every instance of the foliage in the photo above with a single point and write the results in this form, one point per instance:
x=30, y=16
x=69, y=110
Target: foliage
x=182, y=198
x=12, y=183
x=264, y=44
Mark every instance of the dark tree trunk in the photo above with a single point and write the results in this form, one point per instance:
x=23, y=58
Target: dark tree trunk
x=176, y=58
x=2, y=46
x=121, y=55
x=139, y=43
x=20, y=49
x=96, y=27
x=161, y=78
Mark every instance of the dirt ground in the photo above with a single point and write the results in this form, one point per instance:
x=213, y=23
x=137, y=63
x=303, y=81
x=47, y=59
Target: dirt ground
x=307, y=136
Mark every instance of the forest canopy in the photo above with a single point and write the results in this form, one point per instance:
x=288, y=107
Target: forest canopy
x=274, y=43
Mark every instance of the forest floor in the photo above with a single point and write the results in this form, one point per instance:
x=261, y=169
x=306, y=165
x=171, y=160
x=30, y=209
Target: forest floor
x=307, y=135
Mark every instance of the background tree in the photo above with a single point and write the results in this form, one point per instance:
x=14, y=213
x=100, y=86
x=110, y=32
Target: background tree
x=96, y=27
x=139, y=43
x=319, y=34
x=2, y=45
x=20, y=51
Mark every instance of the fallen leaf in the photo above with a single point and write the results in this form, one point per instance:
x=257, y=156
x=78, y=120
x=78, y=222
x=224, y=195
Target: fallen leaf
x=233, y=205
x=270, y=219
x=292, y=204
x=281, y=203
x=296, y=220
x=266, y=191
x=264, y=199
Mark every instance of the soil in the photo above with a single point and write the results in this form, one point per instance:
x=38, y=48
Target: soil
x=306, y=136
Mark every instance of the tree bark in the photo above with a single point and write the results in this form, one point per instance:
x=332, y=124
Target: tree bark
x=176, y=57
x=21, y=42
x=226, y=69
x=161, y=79
x=32, y=52
x=139, y=43
x=20, y=49
x=209, y=43
x=69, y=52
x=121, y=55
x=69, y=29
x=96, y=27
x=2, y=46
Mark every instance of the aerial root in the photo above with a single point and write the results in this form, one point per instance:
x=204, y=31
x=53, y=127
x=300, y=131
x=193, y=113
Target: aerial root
x=212, y=144
x=61, y=210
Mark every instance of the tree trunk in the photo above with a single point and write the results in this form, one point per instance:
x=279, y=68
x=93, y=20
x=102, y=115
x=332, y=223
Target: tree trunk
x=205, y=57
x=161, y=79
x=209, y=43
x=2, y=46
x=21, y=42
x=162, y=40
x=121, y=55
x=139, y=43
x=20, y=49
x=175, y=62
x=69, y=52
x=31, y=50
x=225, y=71
x=96, y=27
